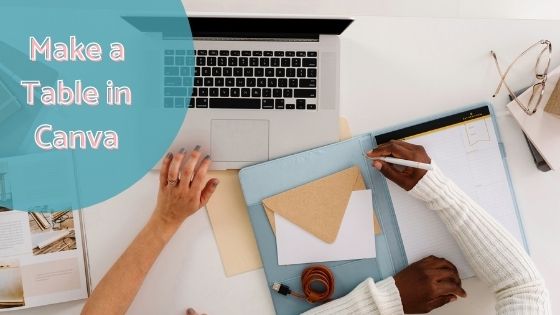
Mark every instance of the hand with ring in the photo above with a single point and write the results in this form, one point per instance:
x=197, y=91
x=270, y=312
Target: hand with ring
x=183, y=187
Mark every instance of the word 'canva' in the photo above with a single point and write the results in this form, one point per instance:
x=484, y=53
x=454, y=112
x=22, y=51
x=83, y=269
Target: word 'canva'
x=48, y=139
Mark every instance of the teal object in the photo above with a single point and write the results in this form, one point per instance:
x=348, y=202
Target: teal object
x=270, y=178
x=49, y=176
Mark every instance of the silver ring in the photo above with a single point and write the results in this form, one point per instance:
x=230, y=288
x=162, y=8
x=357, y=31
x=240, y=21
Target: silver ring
x=172, y=182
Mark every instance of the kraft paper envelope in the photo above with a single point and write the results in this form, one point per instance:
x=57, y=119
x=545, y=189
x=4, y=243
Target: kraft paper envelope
x=231, y=225
x=230, y=221
x=345, y=132
x=319, y=206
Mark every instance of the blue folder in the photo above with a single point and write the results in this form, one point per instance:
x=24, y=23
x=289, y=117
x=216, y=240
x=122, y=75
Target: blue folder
x=273, y=177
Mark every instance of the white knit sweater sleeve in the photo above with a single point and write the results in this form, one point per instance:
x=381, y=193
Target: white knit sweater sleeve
x=492, y=252
x=380, y=298
x=496, y=257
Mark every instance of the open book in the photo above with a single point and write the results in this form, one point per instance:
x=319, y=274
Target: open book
x=43, y=255
x=42, y=259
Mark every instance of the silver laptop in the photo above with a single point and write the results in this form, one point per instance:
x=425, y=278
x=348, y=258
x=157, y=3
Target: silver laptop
x=262, y=88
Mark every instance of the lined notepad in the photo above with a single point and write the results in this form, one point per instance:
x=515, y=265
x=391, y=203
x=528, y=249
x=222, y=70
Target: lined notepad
x=469, y=154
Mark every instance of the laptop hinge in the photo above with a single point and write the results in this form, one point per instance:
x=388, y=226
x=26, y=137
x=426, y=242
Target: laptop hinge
x=256, y=39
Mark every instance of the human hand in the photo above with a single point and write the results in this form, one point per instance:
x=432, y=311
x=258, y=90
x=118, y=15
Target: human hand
x=191, y=311
x=183, y=187
x=406, y=177
x=428, y=284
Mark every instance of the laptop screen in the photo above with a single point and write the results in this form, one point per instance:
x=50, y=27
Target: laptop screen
x=241, y=27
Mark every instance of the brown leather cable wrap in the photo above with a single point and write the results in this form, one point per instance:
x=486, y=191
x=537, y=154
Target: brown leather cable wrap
x=316, y=275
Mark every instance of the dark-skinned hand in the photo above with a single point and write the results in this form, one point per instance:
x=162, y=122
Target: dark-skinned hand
x=406, y=177
x=428, y=284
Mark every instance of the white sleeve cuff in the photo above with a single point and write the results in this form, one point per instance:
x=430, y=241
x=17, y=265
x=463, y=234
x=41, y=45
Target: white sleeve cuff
x=432, y=186
x=387, y=298
x=381, y=298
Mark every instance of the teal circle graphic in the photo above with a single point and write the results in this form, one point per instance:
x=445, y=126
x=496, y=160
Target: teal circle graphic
x=85, y=111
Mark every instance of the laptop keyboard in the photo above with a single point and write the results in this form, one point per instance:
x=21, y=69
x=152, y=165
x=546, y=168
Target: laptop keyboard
x=241, y=79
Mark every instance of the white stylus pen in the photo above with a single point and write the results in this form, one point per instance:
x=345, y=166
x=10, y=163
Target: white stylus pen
x=402, y=162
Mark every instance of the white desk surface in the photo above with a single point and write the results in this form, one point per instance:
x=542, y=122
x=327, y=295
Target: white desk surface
x=394, y=69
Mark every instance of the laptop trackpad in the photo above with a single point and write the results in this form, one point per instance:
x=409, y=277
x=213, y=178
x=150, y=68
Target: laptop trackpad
x=239, y=140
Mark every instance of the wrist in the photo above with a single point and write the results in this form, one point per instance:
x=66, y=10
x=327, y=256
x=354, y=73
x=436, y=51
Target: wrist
x=164, y=227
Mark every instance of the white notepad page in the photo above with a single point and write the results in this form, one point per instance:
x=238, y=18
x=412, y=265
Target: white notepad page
x=469, y=154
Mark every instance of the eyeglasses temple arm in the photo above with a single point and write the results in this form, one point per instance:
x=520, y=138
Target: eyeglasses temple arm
x=504, y=75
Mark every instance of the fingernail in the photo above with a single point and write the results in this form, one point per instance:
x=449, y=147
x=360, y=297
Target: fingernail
x=215, y=183
x=377, y=165
x=190, y=311
x=169, y=155
x=197, y=148
x=182, y=150
x=207, y=157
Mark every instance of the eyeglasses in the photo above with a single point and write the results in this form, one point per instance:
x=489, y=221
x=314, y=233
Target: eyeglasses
x=541, y=75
